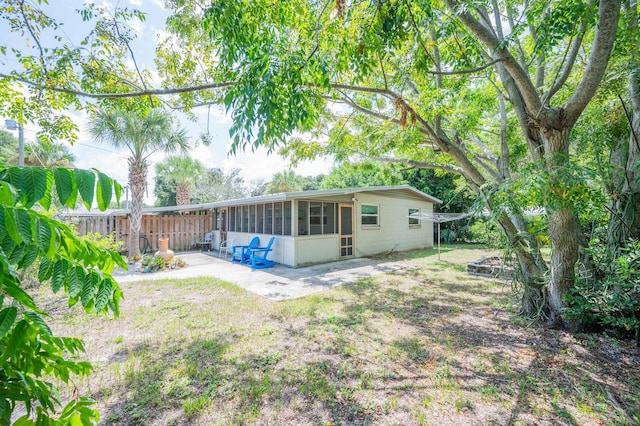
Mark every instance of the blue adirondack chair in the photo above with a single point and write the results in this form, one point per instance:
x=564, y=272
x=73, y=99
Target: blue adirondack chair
x=258, y=256
x=241, y=253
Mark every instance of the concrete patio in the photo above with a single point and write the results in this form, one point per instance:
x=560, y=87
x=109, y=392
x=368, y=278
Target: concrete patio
x=277, y=283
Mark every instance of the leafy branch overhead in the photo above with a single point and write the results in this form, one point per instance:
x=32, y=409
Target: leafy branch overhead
x=30, y=238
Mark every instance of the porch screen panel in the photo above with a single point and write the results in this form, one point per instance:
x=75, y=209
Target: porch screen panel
x=315, y=218
x=268, y=220
x=260, y=219
x=329, y=225
x=303, y=218
x=245, y=218
x=277, y=220
x=252, y=218
x=232, y=219
x=287, y=218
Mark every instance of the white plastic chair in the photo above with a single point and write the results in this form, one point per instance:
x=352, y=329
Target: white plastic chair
x=226, y=246
x=206, y=242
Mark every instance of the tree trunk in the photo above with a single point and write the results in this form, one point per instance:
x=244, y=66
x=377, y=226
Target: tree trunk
x=137, y=182
x=565, y=233
x=183, y=194
x=624, y=221
x=531, y=265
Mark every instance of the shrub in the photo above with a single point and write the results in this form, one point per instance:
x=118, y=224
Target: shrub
x=107, y=242
x=486, y=232
x=614, y=300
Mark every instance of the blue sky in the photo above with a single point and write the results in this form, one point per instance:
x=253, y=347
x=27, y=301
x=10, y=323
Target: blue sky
x=255, y=166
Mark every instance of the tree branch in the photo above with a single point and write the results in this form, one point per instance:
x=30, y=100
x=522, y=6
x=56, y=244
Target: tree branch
x=512, y=25
x=35, y=38
x=570, y=57
x=500, y=52
x=158, y=92
x=607, y=24
x=488, y=167
x=483, y=147
x=422, y=164
x=133, y=58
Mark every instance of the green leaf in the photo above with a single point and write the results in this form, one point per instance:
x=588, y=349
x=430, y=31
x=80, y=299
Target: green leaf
x=59, y=275
x=45, y=269
x=38, y=321
x=7, y=318
x=104, y=293
x=15, y=339
x=45, y=236
x=66, y=186
x=35, y=184
x=20, y=296
x=7, y=194
x=14, y=176
x=30, y=255
x=8, y=221
x=45, y=201
x=76, y=281
x=91, y=283
x=86, y=181
x=23, y=221
x=118, y=189
x=104, y=191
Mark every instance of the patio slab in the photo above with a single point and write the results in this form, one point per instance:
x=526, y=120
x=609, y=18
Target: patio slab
x=277, y=283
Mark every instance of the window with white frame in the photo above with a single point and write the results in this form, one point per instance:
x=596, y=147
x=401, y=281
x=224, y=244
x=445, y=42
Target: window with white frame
x=369, y=215
x=415, y=220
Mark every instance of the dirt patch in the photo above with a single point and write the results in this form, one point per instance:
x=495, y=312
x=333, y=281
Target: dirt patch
x=424, y=345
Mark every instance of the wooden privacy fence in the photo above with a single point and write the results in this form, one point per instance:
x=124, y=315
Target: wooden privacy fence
x=183, y=231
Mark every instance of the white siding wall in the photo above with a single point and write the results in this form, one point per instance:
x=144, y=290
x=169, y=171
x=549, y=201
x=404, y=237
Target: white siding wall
x=316, y=249
x=394, y=232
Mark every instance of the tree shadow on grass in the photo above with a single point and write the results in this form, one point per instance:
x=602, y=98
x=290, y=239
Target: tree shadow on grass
x=331, y=365
x=555, y=368
x=192, y=385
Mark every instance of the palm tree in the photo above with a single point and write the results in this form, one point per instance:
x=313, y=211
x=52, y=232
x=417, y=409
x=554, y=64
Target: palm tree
x=48, y=154
x=284, y=181
x=179, y=174
x=143, y=134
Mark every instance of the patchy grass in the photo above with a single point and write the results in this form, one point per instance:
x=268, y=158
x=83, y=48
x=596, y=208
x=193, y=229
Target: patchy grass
x=428, y=345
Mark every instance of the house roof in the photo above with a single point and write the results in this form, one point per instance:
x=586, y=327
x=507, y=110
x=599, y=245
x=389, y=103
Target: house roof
x=323, y=193
x=402, y=190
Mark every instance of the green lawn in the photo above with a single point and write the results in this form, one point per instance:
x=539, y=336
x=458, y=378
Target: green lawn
x=430, y=345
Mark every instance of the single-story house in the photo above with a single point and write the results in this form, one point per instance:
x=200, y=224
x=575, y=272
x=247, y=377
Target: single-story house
x=328, y=225
x=309, y=226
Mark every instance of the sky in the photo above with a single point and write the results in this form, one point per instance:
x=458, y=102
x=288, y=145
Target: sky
x=255, y=166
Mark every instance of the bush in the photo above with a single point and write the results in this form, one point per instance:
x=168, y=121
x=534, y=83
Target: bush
x=107, y=242
x=486, y=232
x=613, y=301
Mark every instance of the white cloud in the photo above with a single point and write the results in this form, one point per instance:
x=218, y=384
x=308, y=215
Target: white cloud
x=138, y=27
x=159, y=3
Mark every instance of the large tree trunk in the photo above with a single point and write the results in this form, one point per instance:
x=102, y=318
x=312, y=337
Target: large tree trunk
x=566, y=240
x=565, y=232
x=137, y=182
